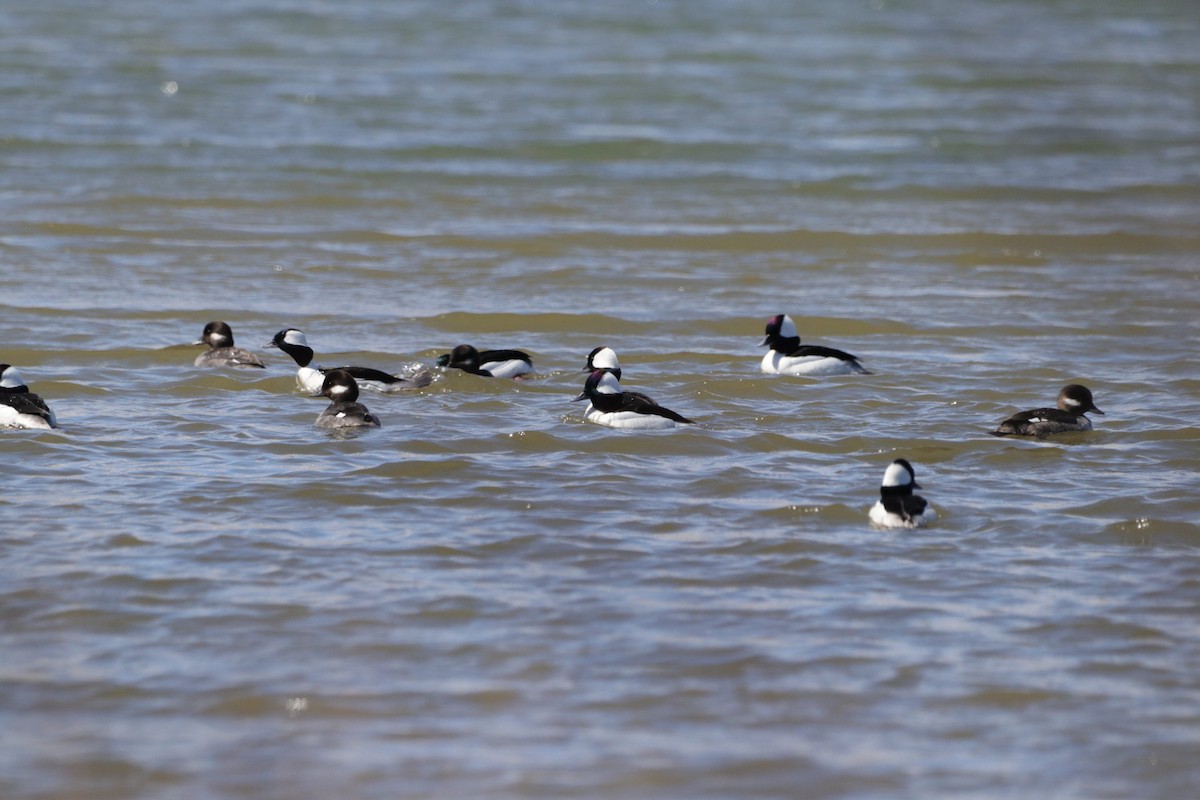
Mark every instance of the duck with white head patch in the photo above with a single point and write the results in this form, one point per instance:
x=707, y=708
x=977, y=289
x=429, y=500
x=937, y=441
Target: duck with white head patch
x=1074, y=401
x=19, y=407
x=897, y=506
x=487, y=363
x=605, y=358
x=311, y=377
x=610, y=406
x=344, y=410
x=221, y=353
x=787, y=356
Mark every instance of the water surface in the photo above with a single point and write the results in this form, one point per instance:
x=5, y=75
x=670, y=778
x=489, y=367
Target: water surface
x=203, y=596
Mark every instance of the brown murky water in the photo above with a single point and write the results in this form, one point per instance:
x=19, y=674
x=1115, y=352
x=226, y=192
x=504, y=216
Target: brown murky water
x=203, y=596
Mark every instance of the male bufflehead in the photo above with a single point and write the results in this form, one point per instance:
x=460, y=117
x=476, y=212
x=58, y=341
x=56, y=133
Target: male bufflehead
x=311, y=377
x=344, y=409
x=605, y=358
x=898, y=507
x=617, y=409
x=788, y=357
x=19, y=407
x=489, y=363
x=1073, y=402
x=219, y=337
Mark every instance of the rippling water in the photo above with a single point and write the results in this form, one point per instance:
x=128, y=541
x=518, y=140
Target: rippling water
x=202, y=595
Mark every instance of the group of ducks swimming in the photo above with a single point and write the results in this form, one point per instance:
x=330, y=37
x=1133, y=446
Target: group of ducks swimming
x=608, y=403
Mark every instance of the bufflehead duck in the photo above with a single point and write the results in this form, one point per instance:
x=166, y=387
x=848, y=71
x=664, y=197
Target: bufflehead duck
x=19, y=407
x=219, y=337
x=344, y=409
x=788, y=357
x=617, y=409
x=605, y=358
x=311, y=377
x=1073, y=402
x=489, y=363
x=898, y=507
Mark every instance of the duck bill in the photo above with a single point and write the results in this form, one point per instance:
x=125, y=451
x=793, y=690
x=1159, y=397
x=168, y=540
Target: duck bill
x=1098, y=411
x=766, y=341
x=582, y=396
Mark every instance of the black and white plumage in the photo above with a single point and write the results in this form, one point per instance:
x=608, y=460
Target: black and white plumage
x=311, y=377
x=221, y=353
x=787, y=356
x=344, y=410
x=19, y=407
x=610, y=406
x=1074, y=401
x=605, y=358
x=897, y=506
x=488, y=363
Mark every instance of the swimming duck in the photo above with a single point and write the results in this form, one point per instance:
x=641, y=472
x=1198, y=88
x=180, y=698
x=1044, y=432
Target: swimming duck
x=1074, y=401
x=897, y=506
x=628, y=410
x=787, y=356
x=219, y=338
x=311, y=377
x=488, y=363
x=19, y=407
x=344, y=411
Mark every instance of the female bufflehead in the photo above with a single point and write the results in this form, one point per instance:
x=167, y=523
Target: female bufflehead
x=219, y=337
x=788, y=357
x=489, y=363
x=311, y=377
x=1073, y=402
x=898, y=507
x=19, y=407
x=605, y=358
x=344, y=409
x=617, y=409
